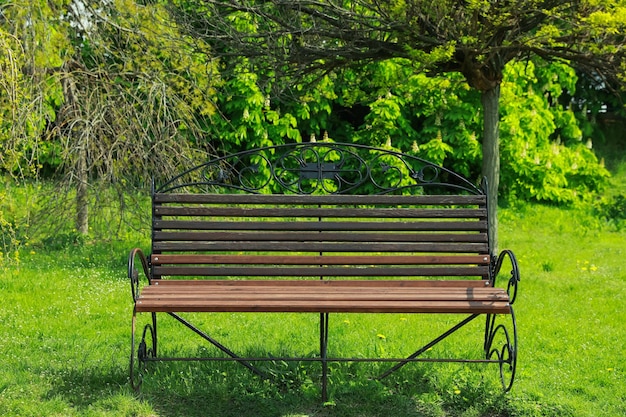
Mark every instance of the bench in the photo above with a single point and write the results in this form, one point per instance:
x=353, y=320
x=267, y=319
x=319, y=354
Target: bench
x=323, y=228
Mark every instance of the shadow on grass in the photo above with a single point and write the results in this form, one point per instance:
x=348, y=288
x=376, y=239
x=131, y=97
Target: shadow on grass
x=226, y=389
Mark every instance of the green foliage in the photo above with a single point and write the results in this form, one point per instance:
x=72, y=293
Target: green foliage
x=544, y=154
x=30, y=94
x=612, y=209
x=248, y=117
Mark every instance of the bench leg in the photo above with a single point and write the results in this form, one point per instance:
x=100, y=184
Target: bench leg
x=146, y=349
x=324, y=354
x=501, y=345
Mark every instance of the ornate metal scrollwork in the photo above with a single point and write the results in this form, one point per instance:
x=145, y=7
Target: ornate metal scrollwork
x=501, y=346
x=319, y=167
x=146, y=349
x=311, y=169
x=512, y=285
x=133, y=272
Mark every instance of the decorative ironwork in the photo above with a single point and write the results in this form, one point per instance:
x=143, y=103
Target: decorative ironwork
x=514, y=278
x=146, y=351
x=133, y=272
x=505, y=353
x=321, y=167
x=505, y=350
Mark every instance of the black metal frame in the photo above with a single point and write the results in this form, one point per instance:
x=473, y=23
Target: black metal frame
x=334, y=168
x=331, y=168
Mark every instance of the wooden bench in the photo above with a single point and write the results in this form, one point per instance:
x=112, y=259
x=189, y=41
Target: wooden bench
x=323, y=228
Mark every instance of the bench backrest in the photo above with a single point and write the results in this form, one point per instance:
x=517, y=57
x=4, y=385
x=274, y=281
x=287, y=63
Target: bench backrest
x=316, y=234
x=319, y=236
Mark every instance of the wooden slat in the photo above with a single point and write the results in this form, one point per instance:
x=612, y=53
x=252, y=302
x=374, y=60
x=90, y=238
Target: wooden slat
x=374, y=287
x=334, y=285
x=460, y=226
x=322, y=247
x=178, y=259
x=341, y=212
x=320, y=199
x=316, y=271
x=458, y=307
x=175, y=296
x=186, y=289
x=350, y=236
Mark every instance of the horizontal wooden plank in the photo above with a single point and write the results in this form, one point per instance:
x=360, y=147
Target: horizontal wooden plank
x=181, y=259
x=335, y=199
x=317, y=285
x=347, y=236
x=451, y=226
x=314, y=271
x=317, y=306
x=386, y=247
x=357, y=296
x=334, y=285
x=191, y=289
x=336, y=212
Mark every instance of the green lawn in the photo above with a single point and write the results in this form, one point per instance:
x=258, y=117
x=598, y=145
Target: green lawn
x=65, y=341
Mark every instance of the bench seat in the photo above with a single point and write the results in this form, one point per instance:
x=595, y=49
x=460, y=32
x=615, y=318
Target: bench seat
x=323, y=296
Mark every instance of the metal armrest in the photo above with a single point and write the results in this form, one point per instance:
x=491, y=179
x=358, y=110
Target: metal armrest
x=133, y=273
x=515, y=276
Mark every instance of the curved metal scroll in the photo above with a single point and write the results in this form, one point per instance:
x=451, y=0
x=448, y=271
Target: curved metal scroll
x=133, y=272
x=502, y=346
x=320, y=167
x=146, y=349
x=514, y=278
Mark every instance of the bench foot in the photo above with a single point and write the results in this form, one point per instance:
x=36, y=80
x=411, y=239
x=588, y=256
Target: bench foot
x=501, y=345
x=324, y=354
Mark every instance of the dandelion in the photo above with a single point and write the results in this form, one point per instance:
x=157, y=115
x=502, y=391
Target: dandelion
x=381, y=336
x=593, y=268
x=457, y=391
x=346, y=321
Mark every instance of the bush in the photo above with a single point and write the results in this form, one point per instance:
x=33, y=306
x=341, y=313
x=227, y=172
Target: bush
x=613, y=209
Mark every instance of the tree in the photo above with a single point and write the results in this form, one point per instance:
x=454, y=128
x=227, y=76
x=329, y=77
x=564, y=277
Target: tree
x=110, y=94
x=476, y=38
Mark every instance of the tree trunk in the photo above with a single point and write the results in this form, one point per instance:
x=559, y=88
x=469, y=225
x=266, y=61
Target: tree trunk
x=82, y=200
x=491, y=157
x=71, y=115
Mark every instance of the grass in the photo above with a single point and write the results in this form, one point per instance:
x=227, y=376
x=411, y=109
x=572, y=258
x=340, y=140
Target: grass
x=65, y=330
